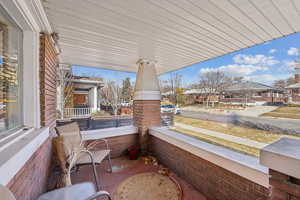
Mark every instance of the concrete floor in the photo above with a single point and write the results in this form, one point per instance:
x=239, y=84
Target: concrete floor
x=124, y=168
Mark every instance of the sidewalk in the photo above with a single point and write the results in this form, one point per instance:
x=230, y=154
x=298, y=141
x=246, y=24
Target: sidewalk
x=238, y=140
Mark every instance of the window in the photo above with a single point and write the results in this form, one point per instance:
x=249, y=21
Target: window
x=10, y=79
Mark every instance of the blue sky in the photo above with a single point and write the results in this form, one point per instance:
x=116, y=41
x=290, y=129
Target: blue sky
x=262, y=63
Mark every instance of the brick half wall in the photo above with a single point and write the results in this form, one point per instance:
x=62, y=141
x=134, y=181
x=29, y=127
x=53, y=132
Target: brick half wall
x=211, y=180
x=118, y=144
x=32, y=179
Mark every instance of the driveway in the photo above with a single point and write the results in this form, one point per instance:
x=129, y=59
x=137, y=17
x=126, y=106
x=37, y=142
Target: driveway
x=255, y=111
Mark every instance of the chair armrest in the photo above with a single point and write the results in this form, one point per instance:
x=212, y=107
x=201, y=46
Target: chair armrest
x=99, y=194
x=94, y=143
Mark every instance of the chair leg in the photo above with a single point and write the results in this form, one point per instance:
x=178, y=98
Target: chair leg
x=109, y=161
x=96, y=175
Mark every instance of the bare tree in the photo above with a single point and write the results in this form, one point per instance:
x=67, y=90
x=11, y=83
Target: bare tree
x=175, y=85
x=164, y=85
x=213, y=83
x=280, y=84
x=111, y=94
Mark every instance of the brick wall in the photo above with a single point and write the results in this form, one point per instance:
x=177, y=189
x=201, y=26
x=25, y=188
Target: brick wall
x=31, y=180
x=211, y=180
x=296, y=98
x=118, y=144
x=146, y=113
x=48, y=67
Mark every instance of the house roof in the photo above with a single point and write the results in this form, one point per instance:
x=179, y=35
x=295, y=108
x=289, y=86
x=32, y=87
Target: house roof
x=175, y=34
x=296, y=85
x=249, y=85
x=167, y=93
x=87, y=80
x=200, y=91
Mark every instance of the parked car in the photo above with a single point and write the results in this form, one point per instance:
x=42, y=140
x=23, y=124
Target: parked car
x=169, y=108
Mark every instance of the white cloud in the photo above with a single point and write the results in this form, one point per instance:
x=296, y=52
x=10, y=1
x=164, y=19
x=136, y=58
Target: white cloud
x=266, y=78
x=272, y=51
x=246, y=66
x=258, y=59
x=288, y=65
x=293, y=51
x=235, y=69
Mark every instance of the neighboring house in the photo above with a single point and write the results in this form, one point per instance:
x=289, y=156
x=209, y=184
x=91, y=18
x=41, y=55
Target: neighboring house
x=167, y=96
x=253, y=93
x=294, y=93
x=86, y=92
x=201, y=96
x=80, y=96
x=294, y=89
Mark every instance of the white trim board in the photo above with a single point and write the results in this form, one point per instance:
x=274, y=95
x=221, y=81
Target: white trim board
x=240, y=164
x=14, y=157
x=108, y=132
x=147, y=95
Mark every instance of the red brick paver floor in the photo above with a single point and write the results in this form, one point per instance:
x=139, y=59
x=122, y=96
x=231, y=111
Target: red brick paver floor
x=124, y=168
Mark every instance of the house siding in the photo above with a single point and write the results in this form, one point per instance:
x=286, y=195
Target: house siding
x=213, y=181
x=31, y=181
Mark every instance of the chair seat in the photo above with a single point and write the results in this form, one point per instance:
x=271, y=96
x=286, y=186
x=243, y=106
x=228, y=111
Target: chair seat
x=98, y=157
x=74, y=192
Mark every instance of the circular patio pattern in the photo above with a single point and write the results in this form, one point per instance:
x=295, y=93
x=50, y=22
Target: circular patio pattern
x=148, y=186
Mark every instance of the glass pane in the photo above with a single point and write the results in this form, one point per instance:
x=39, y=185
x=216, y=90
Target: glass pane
x=10, y=44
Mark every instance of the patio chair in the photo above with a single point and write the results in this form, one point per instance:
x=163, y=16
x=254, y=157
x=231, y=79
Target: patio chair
x=77, y=153
x=82, y=191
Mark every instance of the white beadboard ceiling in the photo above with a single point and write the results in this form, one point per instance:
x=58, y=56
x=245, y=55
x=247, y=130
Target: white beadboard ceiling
x=114, y=34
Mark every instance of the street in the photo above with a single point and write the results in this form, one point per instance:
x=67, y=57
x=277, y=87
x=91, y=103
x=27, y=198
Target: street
x=284, y=126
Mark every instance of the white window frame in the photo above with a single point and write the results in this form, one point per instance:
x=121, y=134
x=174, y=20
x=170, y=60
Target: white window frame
x=30, y=61
x=31, y=18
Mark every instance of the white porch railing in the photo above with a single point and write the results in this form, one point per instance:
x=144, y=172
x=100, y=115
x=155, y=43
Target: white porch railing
x=78, y=112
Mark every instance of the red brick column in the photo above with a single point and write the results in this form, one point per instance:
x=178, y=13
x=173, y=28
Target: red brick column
x=146, y=113
x=284, y=187
x=48, y=67
x=283, y=160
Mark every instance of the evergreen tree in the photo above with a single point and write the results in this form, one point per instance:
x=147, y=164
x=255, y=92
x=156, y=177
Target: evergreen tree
x=126, y=90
